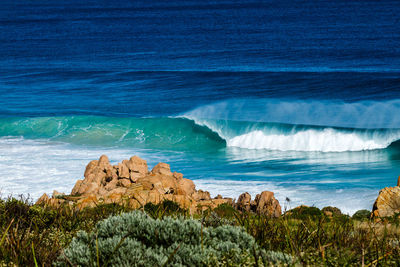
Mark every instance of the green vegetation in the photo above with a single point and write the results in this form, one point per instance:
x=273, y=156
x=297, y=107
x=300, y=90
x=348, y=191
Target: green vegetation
x=166, y=235
x=362, y=215
x=135, y=239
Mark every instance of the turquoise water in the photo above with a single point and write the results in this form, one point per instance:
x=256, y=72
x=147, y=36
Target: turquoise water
x=309, y=164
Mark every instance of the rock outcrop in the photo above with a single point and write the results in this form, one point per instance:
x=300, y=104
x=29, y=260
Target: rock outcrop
x=264, y=203
x=130, y=183
x=388, y=202
x=244, y=202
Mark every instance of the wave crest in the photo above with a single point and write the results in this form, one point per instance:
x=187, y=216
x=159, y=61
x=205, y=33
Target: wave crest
x=326, y=140
x=301, y=125
x=362, y=114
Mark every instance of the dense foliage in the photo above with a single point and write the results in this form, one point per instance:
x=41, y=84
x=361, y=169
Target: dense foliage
x=30, y=233
x=135, y=239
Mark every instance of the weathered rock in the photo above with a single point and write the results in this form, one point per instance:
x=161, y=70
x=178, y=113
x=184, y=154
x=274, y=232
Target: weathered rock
x=186, y=187
x=388, y=202
x=137, y=168
x=123, y=170
x=43, y=199
x=130, y=183
x=90, y=201
x=267, y=204
x=104, y=163
x=201, y=195
x=96, y=173
x=178, y=175
x=162, y=169
x=124, y=182
x=244, y=201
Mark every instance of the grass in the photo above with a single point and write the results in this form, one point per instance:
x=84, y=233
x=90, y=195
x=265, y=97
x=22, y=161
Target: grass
x=35, y=236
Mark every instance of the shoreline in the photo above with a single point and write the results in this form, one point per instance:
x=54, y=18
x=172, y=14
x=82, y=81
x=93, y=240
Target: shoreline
x=51, y=165
x=131, y=179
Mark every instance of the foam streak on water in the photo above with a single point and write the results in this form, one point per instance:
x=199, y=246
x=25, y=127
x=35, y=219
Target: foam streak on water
x=37, y=166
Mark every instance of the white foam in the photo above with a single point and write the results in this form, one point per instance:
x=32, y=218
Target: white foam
x=35, y=167
x=314, y=139
x=326, y=140
x=348, y=200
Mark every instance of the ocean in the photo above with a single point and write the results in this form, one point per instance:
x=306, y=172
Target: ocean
x=301, y=98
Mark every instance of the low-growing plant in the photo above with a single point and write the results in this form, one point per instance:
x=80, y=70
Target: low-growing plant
x=333, y=211
x=165, y=208
x=135, y=239
x=304, y=212
x=362, y=215
x=29, y=232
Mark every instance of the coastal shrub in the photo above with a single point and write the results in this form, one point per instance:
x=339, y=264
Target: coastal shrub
x=332, y=210
x=165, y=208
x=304, y=212
x=212, y=219
x=24, y=225
x=313, y=241
x=136, y=239
x=276, y=258
x=224, y=214
x=362, y=215
x=226, y=210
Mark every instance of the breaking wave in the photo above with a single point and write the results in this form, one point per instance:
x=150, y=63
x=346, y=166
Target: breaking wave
x=250, y=124
x=301, y=125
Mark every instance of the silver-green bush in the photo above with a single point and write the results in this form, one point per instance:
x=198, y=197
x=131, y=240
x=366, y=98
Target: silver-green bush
x=135, y=239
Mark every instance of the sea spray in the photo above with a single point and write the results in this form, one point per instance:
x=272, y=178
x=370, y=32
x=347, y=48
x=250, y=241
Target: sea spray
x=362, y=114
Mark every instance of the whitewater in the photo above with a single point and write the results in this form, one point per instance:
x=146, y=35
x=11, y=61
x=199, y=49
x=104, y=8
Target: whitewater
x=299, y=99
x=316, y=158
x=302, y=125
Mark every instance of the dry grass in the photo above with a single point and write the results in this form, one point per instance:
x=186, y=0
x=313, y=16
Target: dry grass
x=31, y=234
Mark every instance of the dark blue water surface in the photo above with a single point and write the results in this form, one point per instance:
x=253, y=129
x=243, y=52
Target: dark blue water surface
x=298, y=97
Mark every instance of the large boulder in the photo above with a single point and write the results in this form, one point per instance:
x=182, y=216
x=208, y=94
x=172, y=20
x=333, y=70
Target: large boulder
x=97, y=174
x=244, y=202
x=388, y=202
x=162, y=169
x=266, y=203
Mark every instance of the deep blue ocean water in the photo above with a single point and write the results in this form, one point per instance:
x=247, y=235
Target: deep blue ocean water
x=301, y=98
